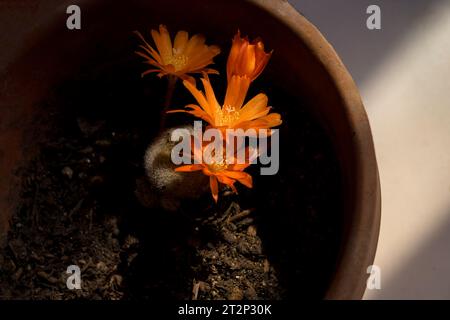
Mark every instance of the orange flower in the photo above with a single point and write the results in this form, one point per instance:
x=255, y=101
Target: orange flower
x=183, y=57
x=246, y=59
x=232, y=114
x=224, y=171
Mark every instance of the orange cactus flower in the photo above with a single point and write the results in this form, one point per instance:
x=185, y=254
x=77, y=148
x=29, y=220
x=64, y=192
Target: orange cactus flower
x=185, y=56
x=224, y=171
x=246, y=59
x=233, y=113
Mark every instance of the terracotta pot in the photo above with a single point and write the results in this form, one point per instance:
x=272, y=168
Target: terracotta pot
x=304, y=60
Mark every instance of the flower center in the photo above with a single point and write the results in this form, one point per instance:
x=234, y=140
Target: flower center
x=178, y=60
x=228, y=115
x=216, y=166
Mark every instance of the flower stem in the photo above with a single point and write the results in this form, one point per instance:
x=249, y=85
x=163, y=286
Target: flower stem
x=171, y=81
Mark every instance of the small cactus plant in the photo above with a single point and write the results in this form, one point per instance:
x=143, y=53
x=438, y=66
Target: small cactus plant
x=169, y=184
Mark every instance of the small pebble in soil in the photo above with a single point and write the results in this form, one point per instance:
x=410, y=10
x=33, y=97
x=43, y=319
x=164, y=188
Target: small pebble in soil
x=68, y=172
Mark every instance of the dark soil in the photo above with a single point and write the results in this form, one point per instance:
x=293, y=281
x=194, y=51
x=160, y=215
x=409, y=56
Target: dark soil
x=278, y=240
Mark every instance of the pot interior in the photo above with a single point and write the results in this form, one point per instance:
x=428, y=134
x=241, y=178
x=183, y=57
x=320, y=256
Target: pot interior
x=78, y=119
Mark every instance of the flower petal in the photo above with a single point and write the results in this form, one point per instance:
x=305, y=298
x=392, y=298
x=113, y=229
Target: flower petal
x=163, y=43
x=210, y=96
x=246, y=59
x=239, y=167
x=214, y=187
x=227, y=181
x=203, y=57
x=242, y=177
x=196, y=42
x=148, y=59
x=180, y=42
x=262, y=59
x=148, y=48
x=189, y=167
x=268, y=121
x=149, y=71
x=255, y=108
x=186, y=77
x=236, y=91
x=201, y=99
x=247, y=63
x=195, y=111
x=234, y=54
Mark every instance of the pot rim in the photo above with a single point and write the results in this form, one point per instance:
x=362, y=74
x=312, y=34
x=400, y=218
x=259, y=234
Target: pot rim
x=359, y=247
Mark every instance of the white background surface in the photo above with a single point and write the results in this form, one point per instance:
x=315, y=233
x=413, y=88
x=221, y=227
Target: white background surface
x=403, y=72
